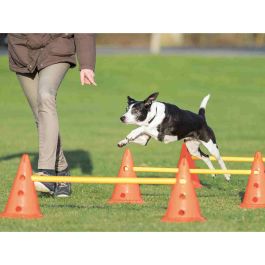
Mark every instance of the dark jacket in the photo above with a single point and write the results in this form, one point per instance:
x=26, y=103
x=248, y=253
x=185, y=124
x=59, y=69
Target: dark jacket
x=28, y=52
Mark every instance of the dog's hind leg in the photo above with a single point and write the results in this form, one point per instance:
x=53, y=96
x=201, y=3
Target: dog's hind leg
x=213, y=149
x=193, y=147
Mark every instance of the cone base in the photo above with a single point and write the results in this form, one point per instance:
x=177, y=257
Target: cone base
x=183, y=219
x=20, y=216
x=197, y=185
x=252, y=206
x=113, y=201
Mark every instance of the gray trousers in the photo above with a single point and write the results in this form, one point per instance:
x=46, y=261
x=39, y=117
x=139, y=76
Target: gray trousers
x=40, y=90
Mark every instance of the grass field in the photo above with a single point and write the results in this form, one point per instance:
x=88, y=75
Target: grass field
x=90, y=129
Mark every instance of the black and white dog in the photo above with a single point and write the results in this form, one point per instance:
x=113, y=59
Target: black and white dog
x=168, y=123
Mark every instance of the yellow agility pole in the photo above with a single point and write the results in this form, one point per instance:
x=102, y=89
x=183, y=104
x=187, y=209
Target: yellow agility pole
x=115, y=180
x=231, y=158
x=104, y=180
x=194, y=171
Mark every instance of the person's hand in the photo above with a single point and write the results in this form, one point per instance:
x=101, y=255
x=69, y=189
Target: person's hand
x=87, y=77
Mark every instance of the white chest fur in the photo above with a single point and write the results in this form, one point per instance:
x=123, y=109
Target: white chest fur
x=170, y=138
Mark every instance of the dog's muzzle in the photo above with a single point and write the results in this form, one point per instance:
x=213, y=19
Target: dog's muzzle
x=122, y=118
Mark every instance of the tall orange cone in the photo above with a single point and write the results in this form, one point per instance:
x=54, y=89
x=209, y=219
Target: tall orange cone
x=23, y=200
x=126, y=193
x=183, y=204
x=255, y=192
x=185, y=153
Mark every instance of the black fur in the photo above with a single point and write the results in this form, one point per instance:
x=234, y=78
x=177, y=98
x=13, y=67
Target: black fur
x=177, y=122
x=140, y=110
x=184, y=124
x=202, y=153
x=130, y=100
x=169, y=123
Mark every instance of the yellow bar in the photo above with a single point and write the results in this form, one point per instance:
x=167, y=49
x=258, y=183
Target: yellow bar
x=104, y=180
x=232, y=159
x=194, y=171
x=115, y=180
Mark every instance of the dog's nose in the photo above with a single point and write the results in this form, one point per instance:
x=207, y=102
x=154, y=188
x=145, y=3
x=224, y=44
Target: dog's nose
x=122, y=118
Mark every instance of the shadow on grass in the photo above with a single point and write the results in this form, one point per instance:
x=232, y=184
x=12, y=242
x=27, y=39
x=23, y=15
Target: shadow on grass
x=76, y=159
x=74, y=206
x=241, y=195
x=206, y=185
x=103, y=206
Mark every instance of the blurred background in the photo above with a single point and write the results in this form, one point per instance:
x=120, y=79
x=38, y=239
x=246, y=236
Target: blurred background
x=175, y=43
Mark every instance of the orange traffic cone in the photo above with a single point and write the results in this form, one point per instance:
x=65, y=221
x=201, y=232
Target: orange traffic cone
x=255, y=192
x=23, y=200
x=185, y=153
x=126, y=193
x=183, y=204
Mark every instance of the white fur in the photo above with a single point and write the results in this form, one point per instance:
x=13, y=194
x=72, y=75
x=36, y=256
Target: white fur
x=142, y=139
x=213, y=149
x=158, y=111
x=170, y=138
x=204, y=102
x=129, y=118
x=148, y=129
x=193, y=147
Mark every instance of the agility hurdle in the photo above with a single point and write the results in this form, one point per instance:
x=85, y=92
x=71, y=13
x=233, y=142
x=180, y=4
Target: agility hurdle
x=231, y=158
x=193, y=171
x=153, y=181
x=105, y=180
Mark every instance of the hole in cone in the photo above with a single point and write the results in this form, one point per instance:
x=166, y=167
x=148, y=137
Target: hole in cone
x=182, y=181
x=181, y=212
x=125, y=168
x=20, y=193
x=18, y=209
x=122, y=195
x=22, y=177
x=256, y=185
x=182, y=196
x=254, y=199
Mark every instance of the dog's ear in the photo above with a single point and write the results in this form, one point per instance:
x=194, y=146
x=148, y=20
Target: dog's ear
x=130, y=100
x=149, y=100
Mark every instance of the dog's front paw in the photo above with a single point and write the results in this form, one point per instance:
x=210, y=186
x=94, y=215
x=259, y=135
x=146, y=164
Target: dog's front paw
x=122, y=143
x=227, y=177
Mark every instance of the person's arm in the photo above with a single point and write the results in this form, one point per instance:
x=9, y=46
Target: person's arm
x=86, y=55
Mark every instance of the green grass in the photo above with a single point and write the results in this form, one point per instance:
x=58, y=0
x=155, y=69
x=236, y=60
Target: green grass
x=90, y=129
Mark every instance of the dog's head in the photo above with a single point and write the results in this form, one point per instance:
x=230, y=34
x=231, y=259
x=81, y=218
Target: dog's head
x=137, y=111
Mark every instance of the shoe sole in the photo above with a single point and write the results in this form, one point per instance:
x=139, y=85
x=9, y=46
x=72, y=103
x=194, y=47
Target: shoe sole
x=62, y=196
x=42, y=188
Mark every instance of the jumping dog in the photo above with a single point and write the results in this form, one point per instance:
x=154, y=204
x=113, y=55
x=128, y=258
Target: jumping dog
x=168, y=123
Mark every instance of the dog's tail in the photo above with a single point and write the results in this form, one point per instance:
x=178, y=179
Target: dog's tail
x=203, y=106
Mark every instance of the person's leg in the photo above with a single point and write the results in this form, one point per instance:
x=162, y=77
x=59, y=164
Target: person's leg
x=30, y=84
x=49, y=143
x=61, y=162
x=51, y=155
